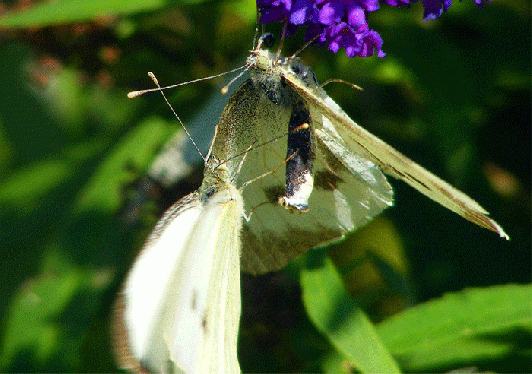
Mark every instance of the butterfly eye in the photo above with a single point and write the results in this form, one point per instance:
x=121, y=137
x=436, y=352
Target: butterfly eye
x=314, y=79
x=295, y=69
x=305, y=74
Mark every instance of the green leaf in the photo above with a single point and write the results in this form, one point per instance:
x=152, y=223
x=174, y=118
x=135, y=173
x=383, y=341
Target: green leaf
x=42, y=317
x=337, y=316
x=67, y=11
x=48, y=317
x=462, y=329
x=138, y=147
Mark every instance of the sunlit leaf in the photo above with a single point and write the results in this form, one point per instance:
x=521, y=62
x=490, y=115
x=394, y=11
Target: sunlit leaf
x=68, y=11
x=337, y=316
x=462, y=328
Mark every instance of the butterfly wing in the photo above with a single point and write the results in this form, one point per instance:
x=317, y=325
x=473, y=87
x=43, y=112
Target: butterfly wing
x=347, y=190
x=180, y=306
x=220, y=306
x=338, y=127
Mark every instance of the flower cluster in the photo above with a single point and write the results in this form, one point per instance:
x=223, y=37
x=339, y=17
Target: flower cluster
x=341, y=23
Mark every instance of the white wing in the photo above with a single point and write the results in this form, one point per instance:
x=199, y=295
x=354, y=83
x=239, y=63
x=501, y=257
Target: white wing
x=181, y=300
x=392, y=162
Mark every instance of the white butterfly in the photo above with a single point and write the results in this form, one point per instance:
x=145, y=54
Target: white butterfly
x=336, y=178
x=181, y=302
x=180, y=306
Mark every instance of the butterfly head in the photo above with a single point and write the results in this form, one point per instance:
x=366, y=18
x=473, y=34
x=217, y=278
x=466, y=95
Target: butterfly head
x=264, y=64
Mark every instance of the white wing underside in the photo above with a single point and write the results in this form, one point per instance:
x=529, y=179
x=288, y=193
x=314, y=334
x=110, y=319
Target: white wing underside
x=182, y=296
x=391, y=161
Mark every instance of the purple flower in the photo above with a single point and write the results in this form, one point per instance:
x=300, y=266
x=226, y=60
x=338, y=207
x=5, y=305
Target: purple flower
x=398, y=3
x=338, y=23
x=433, y=8
x=480, y=3
x=303, y=12
x=361, y=43
x=274, y=11
x=341, y=23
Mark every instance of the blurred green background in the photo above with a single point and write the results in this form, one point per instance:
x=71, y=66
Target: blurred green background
x=452, y=94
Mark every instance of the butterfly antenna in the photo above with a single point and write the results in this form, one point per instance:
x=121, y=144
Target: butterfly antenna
x=152, y=76
x=281, y=42
x=356, y=87
x=304, y=46
x=134, y=94
x=225, y=89
x=257, y=16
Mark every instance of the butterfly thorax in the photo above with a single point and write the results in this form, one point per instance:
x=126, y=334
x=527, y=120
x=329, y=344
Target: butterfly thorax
x=216, y=178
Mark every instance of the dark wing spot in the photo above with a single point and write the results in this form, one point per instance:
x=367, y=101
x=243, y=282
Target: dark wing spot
x=194, y=300
x=273, y=193
x=327, y=180
x=204, y=323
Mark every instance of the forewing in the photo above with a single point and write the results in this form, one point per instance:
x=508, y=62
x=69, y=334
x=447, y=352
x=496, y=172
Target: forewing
x=221, y=315
x=146, y=287
x=182, y=296
x=392, y=162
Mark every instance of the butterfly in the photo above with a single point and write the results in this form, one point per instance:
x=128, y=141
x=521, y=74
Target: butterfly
x=181, y=300
x=180, y=304
x=333, y=185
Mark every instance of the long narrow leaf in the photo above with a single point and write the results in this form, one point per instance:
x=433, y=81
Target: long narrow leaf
x=67, y=11
x=337, y=316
